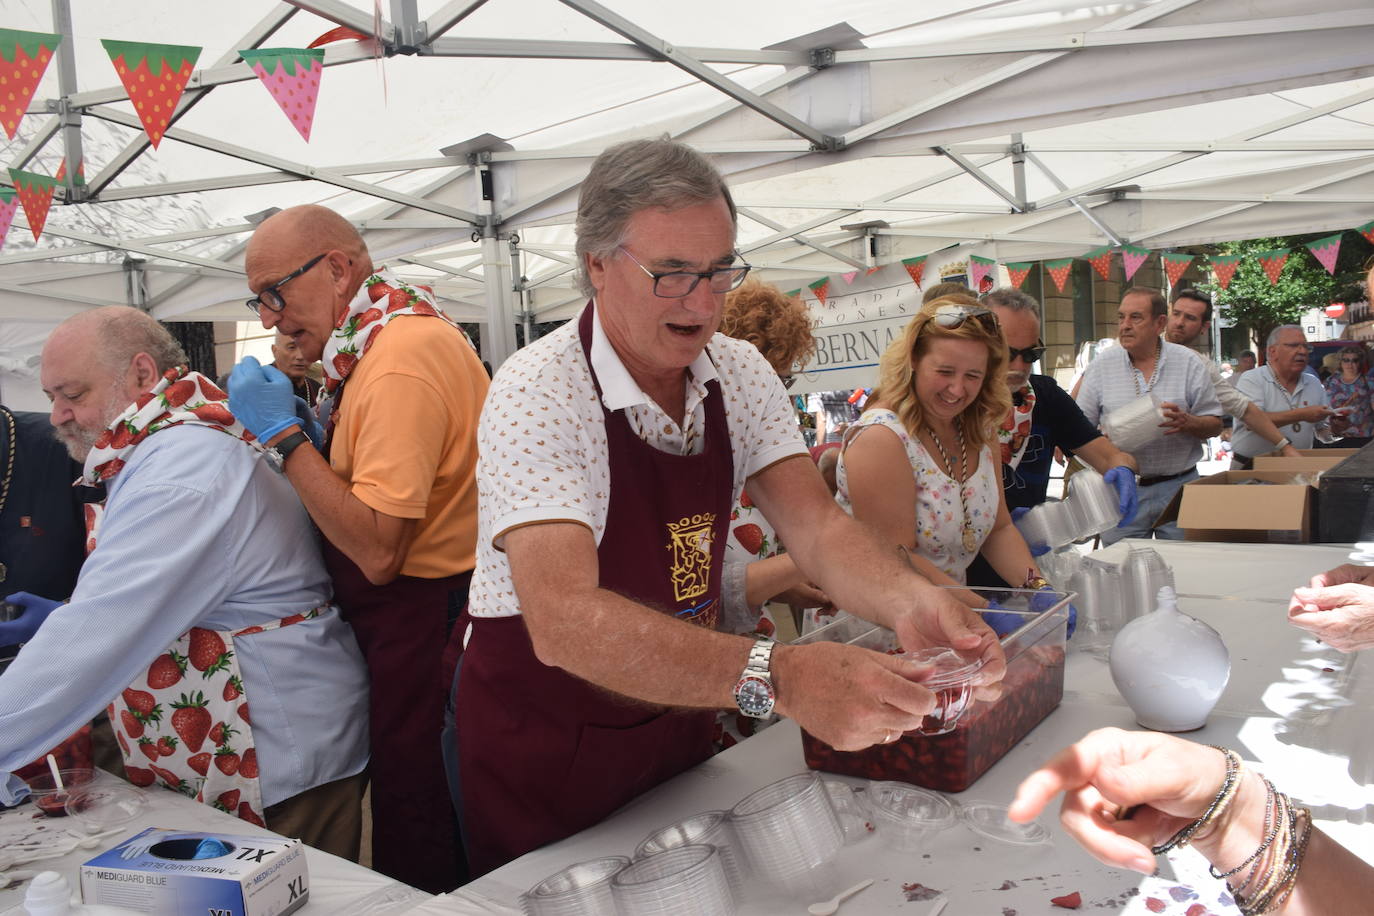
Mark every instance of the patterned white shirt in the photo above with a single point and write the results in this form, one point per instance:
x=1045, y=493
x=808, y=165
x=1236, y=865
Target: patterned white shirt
x=542, y=438
x=1180, y=377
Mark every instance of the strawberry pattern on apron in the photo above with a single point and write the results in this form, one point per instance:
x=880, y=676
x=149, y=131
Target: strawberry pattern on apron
x=1014, y=432
x=185, y=722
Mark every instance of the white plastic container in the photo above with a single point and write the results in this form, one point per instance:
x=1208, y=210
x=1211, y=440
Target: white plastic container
x=1170, y=668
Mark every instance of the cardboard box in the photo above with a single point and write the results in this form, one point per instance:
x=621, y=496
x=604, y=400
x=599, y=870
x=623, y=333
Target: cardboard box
x=1308, y=464
x=256, y=876
x=1225, y=507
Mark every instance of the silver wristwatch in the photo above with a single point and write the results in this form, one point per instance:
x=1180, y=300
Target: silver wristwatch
x=754, y=694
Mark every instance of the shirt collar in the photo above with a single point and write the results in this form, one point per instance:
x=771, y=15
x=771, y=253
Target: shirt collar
x=618, y=388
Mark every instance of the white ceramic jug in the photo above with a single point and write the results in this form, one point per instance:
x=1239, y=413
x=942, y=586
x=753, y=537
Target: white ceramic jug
x=1171, y=668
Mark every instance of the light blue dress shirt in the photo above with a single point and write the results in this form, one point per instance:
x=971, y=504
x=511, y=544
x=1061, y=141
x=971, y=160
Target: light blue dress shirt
x=199, y=531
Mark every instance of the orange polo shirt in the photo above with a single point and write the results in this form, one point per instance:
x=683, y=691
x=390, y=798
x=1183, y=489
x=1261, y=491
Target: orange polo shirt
x=406, y=438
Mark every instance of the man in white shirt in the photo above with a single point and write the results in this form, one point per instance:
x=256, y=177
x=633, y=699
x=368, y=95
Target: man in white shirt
x=611, y=454
x=1146, y=364
x=1190, y=316
x=1291, y=397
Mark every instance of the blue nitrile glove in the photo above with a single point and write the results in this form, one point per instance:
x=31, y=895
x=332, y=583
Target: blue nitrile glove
x=313, y=430
x=1036, y=550
x=21, y=629
x=1123, y=478
x=260, y=397
x=1000, y=619
x=1048, y=597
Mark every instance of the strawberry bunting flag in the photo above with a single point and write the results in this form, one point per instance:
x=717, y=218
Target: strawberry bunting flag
x=978, y=268
x=35, y=196
x=1059, y=271
x=1272, y=262
x=1019, y=271
x=1224, y=268
x=155, y=77
x=9, y=202
x=78, y=178
x=1132, y=256
x=915, y=268
x=1367, y=230
x=1327, y=250
x=1175, y=263
x=24, y=57
x=1101, y=260
x=821, y=288
x=292, y=76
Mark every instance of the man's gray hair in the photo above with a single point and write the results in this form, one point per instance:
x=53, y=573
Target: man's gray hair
x=633, y=176
x=1273, y=338
x=126, y=332
x=1011, y=299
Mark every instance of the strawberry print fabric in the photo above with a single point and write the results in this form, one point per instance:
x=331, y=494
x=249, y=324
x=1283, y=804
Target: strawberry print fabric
x=939, y=517
x=383, y=297
x=1015, y=429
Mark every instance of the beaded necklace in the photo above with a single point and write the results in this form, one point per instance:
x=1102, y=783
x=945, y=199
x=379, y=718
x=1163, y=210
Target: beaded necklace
x=970, y=541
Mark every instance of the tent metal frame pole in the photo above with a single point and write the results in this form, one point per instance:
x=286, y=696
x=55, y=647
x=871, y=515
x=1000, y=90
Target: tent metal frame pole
x=779, y=227
x=66, y=81
x=1114, y=237
x=536, y=49
x=677, y=57
x=447, y=17
x=345, y=15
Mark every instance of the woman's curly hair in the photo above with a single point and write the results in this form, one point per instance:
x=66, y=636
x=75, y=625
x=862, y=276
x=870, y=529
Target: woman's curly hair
x=780, y=327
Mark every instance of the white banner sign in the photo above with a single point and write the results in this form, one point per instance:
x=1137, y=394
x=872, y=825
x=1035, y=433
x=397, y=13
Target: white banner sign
x=854, y=326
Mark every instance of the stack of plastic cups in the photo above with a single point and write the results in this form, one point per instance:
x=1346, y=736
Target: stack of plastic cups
x=1143, y=574
x=583, y=889
x=711, y=828
x=1134, y=425
x=1093, y=504
x=684, y=881
x=1101, y=605
x=851, y=807
x=790, y=834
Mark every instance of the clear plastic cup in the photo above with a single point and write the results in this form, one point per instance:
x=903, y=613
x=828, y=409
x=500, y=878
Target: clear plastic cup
x=710, y=828
x=1134, y=425
x=51, y=800
x=788, y=830
x=583, y=889
x=1093, y=503
x=101, y=806
x=1143, y=574
x=683, y=881
x=950, y=677
x=851, y=807
x=909, y=817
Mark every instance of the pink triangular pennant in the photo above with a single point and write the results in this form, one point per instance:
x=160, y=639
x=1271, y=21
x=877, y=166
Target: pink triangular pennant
x=849, y=277
x=292, y=75
x=9, y=202
x=1059, y=271
x=1131, y=259
x=978, y=269
x=821, y=288
x=1327, y=250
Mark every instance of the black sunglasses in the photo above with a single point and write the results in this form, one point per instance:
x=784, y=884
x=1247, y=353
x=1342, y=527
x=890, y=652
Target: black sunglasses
x=271, y=298
x=1029, y=354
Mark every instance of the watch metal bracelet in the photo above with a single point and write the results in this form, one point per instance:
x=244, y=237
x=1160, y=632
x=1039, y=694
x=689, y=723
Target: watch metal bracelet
x=760, y=654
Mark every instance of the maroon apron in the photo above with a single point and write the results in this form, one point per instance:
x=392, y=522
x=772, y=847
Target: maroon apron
x=401, y=628
x=543, y=754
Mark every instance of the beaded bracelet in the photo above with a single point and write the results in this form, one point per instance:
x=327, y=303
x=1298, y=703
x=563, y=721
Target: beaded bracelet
x=1225, y=795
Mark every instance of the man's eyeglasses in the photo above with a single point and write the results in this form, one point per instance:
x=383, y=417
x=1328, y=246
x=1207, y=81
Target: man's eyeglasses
x=676, y=284
x=951, y=317
x=270, y=298
x=1297, y=346
x=1029, y=354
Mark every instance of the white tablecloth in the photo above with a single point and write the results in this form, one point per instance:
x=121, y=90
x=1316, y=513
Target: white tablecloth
x=337, y=887
x=1301, y=709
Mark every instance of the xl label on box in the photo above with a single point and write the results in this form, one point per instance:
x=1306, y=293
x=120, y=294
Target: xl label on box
x=184, y=873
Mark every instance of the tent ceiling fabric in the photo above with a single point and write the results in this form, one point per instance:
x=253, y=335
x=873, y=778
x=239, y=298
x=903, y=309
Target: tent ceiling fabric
x=1015, y=129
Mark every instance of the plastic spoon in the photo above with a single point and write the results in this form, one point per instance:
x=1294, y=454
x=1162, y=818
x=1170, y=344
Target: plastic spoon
x=832, y=906
x=56, y=774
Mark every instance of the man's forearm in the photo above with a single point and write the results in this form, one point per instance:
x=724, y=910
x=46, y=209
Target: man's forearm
x=1202, y=427
x=1262, y=424
x=1101, y=455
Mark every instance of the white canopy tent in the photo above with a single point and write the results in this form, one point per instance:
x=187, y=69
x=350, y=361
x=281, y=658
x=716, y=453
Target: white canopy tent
x=1012, y=129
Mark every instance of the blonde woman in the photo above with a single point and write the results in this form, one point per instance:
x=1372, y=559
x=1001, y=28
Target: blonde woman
x=922, y=467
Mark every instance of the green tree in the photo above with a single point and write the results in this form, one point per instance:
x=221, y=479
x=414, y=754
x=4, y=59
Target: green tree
x=1251, y=300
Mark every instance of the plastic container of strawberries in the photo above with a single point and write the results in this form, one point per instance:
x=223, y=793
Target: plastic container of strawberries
x=951, y=762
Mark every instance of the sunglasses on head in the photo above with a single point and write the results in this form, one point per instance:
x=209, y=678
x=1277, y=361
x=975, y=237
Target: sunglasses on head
x=1029, y=354
x=950, y=317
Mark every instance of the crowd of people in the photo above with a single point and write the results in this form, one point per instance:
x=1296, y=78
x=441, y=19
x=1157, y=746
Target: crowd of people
x=534, y=594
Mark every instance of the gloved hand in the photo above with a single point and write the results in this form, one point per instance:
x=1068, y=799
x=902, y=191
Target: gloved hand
x=1123, y=478
x=1000, y=619
x=21, y=629
x=1048, y=597
x=311, y=426
x=261, y=398
x=1036, y=550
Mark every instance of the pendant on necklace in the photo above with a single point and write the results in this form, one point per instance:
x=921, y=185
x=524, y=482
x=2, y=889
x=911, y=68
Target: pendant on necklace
x=970, y=541
x=1297, y=427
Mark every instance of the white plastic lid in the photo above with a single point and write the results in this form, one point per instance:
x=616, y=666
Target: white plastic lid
x=990, y=820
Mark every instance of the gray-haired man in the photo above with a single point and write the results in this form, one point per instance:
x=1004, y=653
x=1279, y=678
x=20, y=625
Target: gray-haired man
x=612, y=452
x=1291, y=398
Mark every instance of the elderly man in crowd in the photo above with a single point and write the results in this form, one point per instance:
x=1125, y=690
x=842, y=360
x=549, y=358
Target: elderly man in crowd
x=612, y=452
x=393, y=494
x=1189, y=318
x=290, y=361
x=1144, y=364
x=1291, y=397
x=203, y=596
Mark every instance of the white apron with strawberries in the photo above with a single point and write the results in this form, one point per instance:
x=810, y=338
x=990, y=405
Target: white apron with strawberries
x=186, y=721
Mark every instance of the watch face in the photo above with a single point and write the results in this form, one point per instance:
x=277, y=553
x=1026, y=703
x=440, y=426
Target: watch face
x=754, y=696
